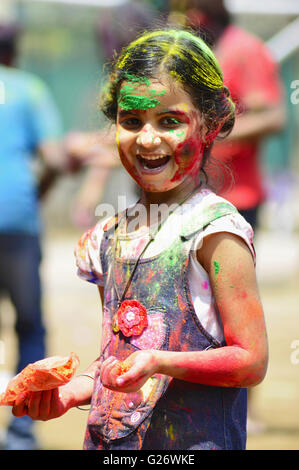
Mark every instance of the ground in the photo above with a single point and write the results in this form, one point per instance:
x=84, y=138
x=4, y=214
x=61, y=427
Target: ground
x=72, y=314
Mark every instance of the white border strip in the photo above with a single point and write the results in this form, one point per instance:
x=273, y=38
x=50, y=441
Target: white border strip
x=266, y=7
x=87, y=3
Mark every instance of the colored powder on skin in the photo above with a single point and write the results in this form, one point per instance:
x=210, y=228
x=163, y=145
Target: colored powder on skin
x=188, y=157
x=129, y=102
x=155, y=93
x=181, y=134
x=216, y=267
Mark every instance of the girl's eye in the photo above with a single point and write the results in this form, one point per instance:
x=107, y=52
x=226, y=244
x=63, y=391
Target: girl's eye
x=170, y=122
x=131, y=123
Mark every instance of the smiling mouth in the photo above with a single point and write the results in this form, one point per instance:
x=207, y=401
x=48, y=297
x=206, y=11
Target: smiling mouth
x=153, y=163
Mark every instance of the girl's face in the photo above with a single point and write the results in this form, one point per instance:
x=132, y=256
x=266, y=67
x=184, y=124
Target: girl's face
x=159, y=134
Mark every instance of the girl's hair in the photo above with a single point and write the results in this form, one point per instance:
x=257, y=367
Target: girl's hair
x=187, y=59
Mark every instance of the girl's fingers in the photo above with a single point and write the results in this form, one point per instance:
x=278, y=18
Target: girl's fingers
x=45, y=405
x=108, y=364
x=42, y=405
x=57, y=403
x=34, y=405
x=106, y=370
x=133, y=375
x=108, y=361
x=20, y=405
x=55, y=397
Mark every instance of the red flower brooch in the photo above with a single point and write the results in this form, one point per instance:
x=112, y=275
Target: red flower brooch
x=130, y=318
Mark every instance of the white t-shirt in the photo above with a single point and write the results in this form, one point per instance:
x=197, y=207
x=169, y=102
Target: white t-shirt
x=130, y=245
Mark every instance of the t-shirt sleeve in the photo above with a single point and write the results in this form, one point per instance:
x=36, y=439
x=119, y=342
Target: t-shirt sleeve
x=233, y=223
x=87, y=255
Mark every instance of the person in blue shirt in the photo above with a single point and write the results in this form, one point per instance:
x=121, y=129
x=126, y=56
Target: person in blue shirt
x=30, y=125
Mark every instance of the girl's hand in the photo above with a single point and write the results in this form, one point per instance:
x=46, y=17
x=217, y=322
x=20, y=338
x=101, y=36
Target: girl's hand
x=43, y=405
x=130, y=375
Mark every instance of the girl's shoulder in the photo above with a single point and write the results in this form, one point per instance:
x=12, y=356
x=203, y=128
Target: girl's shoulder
x=92, y=237
x=203, y=208
x=87, y=250
x=214, y=214
x=87, y=253
x=205, y=197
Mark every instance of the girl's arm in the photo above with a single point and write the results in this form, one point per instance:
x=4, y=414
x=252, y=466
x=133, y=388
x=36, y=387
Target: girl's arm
x=243, y=361
x=54, y=403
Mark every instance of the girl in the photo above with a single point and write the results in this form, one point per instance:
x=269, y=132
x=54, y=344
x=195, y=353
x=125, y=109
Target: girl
x=183, y=330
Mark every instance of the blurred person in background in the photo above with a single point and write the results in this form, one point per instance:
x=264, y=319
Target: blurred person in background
x=29, y=125
x=253, y=79
x=115, y=28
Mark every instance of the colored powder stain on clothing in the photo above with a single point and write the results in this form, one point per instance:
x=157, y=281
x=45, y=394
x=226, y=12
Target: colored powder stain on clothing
x=170, y=432
x=157, y=287
x=149, y=277
x=205, y=285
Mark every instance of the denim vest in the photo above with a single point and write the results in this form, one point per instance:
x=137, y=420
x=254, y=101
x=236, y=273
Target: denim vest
x=165, y=413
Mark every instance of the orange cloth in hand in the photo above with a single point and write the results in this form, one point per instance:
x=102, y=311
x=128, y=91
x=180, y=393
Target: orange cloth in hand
x=45, y=374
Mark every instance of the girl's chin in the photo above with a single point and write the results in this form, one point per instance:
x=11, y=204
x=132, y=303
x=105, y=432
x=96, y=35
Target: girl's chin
x=156, y=183
x=158, y=186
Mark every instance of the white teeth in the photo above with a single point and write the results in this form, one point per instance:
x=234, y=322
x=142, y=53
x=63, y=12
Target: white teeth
x=151, y=157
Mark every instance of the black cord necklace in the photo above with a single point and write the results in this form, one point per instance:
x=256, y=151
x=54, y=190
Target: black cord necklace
x=134, y=304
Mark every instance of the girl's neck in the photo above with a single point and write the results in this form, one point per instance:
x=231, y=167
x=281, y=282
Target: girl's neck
x=174, y=196
x=156, y=215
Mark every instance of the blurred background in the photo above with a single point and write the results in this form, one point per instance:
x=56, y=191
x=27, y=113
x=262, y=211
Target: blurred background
x=60, y=43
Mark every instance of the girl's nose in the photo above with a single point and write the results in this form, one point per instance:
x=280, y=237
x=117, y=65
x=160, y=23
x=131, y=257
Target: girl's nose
x=148, y=137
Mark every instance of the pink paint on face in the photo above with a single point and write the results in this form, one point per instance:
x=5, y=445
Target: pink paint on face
x=169, y=132
x=188, y=157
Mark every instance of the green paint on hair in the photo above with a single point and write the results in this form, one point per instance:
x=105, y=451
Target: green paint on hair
x=135, y=79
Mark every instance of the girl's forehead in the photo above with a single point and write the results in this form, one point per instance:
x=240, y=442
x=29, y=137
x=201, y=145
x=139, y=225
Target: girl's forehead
x=143, y=94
